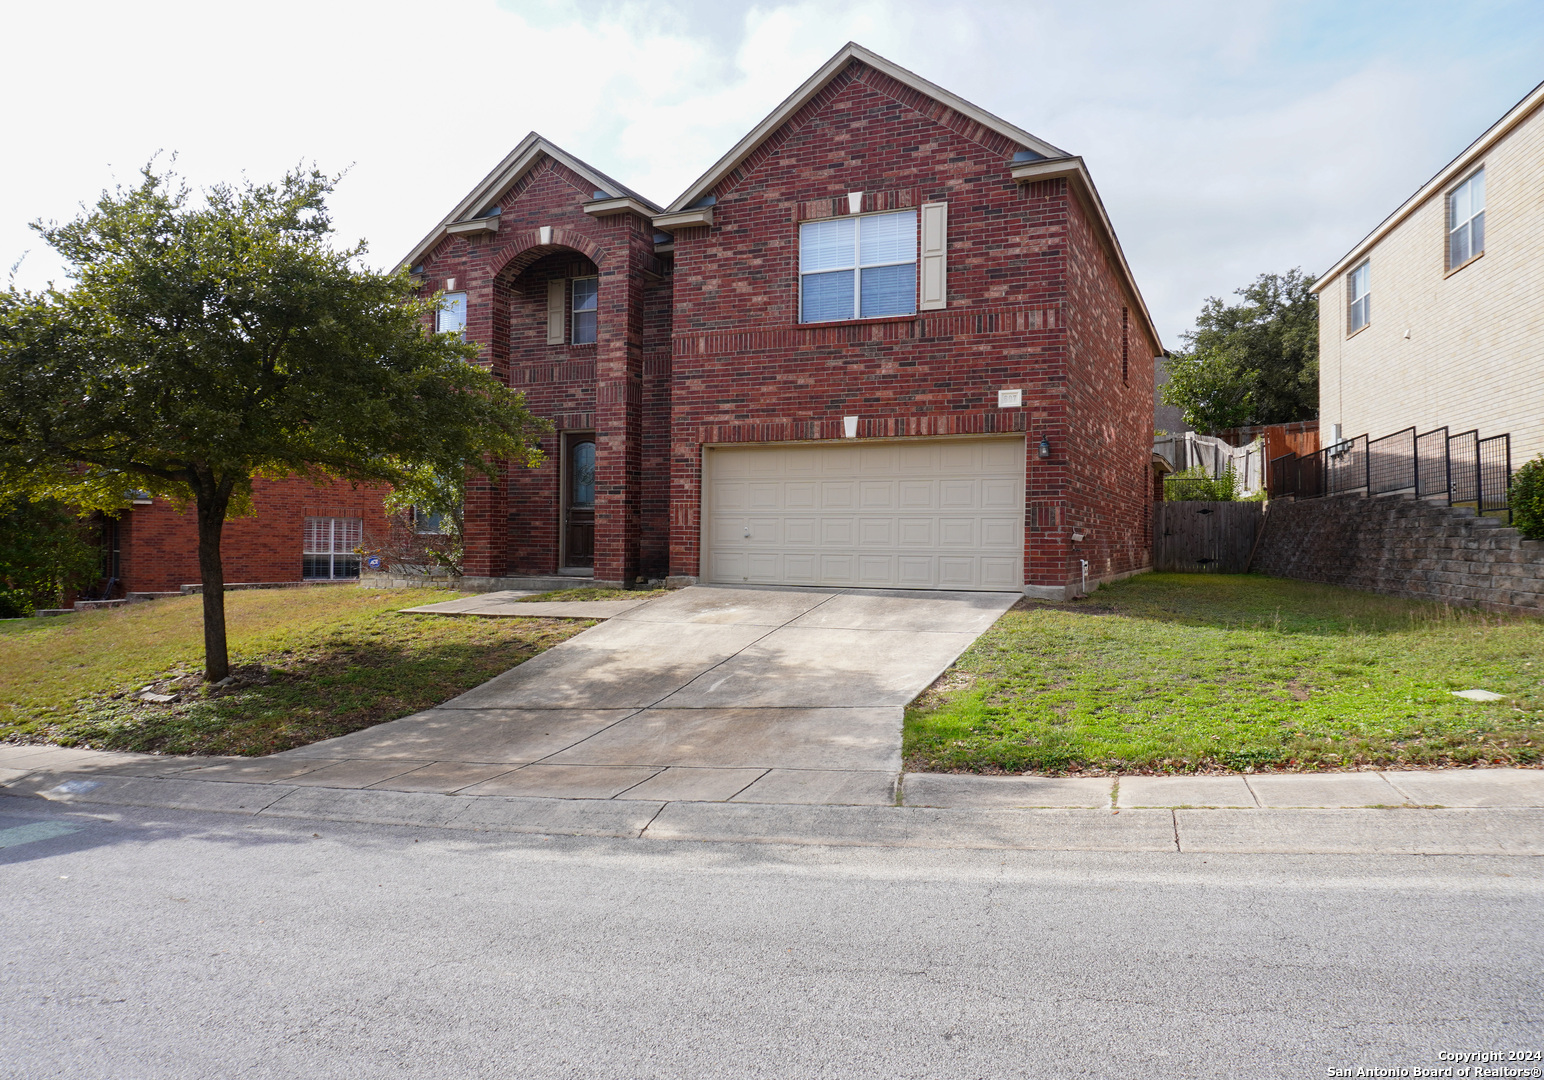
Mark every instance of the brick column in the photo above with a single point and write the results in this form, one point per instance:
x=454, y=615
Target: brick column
x=486, y=520
x=619, y=399
x=685, y=507
x=486, y=525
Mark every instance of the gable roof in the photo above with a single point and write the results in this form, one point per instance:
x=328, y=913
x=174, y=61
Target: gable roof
x=1049, y=162
x=816, y=83
x=521, y=160
x=1445, y=176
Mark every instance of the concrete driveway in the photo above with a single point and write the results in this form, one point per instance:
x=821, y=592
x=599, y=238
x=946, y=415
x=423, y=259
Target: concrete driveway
x=709, y=694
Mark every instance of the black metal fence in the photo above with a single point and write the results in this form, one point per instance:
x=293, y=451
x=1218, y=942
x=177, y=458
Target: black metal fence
x=1464, y=468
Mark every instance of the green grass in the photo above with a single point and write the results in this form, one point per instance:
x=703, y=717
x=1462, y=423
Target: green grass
x=587, y=592
x=311, y=664
x=1191, y=672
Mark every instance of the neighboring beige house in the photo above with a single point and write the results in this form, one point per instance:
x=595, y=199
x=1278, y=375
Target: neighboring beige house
x=1437, y=317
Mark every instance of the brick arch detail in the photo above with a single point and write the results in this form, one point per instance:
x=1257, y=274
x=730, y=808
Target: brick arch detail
x=527, y=248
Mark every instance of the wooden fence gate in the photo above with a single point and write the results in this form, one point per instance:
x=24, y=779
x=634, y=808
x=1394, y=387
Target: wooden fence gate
x=1205, y=537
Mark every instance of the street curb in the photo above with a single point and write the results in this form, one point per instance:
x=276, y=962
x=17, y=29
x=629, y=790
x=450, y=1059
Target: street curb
x=1393, y=831
x=916, y=826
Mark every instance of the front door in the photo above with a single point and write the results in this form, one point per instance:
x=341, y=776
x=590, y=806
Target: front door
x=579, y=501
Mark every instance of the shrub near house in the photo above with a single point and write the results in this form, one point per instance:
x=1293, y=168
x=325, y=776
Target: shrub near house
x=1527, y=499
x=44, y=553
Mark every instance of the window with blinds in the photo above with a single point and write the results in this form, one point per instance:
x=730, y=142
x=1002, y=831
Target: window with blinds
x=451, y=317
x=1358, y=300
x=1466, y=221
x=329, y=550
x=858, y=267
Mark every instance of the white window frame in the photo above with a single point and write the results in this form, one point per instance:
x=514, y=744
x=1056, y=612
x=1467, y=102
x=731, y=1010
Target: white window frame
x=858, y=266
x=1359, y=303
x=451, y=316
x=332, y=539
x=575, y=310
x=1466, y=227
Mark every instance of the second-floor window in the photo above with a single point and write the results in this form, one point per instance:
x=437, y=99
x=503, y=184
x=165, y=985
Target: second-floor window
x=451, y=318
x=586, y=306
x=1466, y=220
x=858, y=267
x=1358, y=302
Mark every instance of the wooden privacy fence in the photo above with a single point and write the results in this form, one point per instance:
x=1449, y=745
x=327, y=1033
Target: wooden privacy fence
x=1205, y=537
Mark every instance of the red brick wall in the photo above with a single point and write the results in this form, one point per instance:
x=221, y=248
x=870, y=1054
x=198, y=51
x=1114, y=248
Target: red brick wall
x=607, y=387
x=746, y=370
x=160, y=546
x=1110, y=412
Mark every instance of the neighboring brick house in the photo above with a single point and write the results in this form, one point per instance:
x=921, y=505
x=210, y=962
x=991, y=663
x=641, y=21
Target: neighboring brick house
x=301, y=531
x=1436, y=318
x=888, y=340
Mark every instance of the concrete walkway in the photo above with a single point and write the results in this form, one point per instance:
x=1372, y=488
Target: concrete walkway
x=508, y=604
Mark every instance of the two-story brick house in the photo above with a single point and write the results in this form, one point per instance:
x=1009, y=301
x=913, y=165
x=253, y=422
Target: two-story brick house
x=888, y=340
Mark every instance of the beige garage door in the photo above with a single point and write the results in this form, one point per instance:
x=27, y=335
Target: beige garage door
x=913, y=514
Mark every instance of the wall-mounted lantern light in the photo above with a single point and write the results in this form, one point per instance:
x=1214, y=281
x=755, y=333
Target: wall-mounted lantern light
x=1045, y=447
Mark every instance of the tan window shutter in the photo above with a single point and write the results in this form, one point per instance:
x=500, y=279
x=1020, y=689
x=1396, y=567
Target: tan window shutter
x=935, y=246
x=557, y=294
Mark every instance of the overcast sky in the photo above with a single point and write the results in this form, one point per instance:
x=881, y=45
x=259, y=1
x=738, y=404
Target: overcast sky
x=1226, y=138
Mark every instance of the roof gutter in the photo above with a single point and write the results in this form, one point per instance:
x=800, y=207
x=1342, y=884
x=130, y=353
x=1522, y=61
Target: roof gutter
x=1476, y=150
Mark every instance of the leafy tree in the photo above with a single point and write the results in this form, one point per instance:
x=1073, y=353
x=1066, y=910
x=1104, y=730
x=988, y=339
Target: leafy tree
x=42, y=555
x=207, y=342
x=1256, y=362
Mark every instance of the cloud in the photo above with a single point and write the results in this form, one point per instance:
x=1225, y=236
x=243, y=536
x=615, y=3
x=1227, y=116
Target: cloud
x=1227, y=138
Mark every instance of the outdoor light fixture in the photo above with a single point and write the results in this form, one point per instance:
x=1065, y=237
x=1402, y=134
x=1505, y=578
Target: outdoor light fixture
x=1045, y=447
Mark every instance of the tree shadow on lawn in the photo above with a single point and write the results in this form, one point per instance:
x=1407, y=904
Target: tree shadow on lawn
x=292, y=699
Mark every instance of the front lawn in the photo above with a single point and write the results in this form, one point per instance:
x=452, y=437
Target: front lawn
x=1194, y=672
x=309, y=663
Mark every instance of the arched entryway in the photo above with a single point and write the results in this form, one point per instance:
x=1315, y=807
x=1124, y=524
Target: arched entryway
x=552, y=330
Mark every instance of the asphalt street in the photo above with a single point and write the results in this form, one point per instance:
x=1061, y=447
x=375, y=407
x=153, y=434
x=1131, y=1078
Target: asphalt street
x=155, y=943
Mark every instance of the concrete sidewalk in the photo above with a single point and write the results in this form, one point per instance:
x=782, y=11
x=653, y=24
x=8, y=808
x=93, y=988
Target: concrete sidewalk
x=1405, y=788
x=1488, y=811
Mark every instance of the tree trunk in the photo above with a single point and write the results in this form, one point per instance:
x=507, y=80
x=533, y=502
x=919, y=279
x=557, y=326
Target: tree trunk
x=211, y=524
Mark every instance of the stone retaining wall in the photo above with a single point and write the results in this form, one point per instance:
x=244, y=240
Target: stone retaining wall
x=1403, y=547
x=405, y=581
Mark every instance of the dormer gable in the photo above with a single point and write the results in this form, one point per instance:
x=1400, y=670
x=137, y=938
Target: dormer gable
x=479, y=211
x=975, y=122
